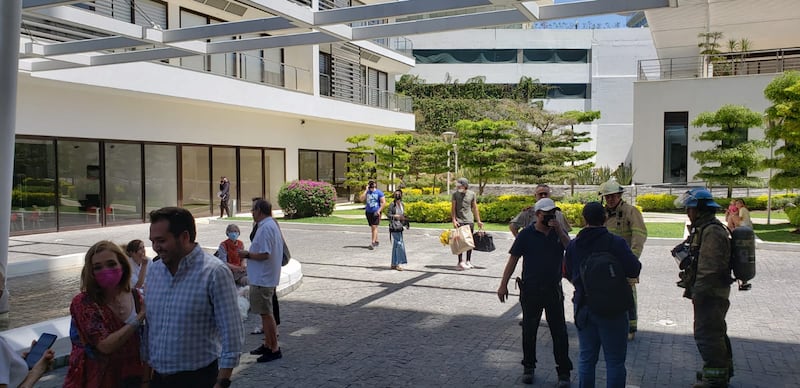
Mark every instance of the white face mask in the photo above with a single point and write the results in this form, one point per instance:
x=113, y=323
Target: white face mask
x=462, y=190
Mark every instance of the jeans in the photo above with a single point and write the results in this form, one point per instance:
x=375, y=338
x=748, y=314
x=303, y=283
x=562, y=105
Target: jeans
x=204, y=377
x=551, y=301
x=611, y=333
x=398, y=249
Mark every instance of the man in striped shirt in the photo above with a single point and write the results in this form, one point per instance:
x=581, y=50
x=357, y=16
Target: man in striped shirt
x=194, y=330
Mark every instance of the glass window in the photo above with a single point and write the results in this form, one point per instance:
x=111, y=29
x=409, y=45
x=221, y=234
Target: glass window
x=191, y=19
x=274, y=173
x=308, y=165
x=223, y=163
x=160, y=176
x=676, y=130
x=33, y=190
x=324, y=74
x=325, y=166
x=123, y=182
x=79, y=182
x=196, y=182
x=340, y=168
x=252, y=179
x=555, y=55
x=466, y=56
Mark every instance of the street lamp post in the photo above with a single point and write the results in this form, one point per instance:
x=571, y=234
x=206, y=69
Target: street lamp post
x=449, y=137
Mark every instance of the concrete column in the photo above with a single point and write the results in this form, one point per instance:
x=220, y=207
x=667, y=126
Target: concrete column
x=10, y=19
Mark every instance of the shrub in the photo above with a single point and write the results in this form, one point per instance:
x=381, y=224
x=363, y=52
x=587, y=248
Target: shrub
x=656, y=202
x=423, y=211
x=500, y=211
x=27, y=199
x=573, y=212
x=581, y=197
x=300, y=199
x=793, y=212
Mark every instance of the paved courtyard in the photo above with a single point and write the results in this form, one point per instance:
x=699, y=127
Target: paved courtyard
x=355, y=323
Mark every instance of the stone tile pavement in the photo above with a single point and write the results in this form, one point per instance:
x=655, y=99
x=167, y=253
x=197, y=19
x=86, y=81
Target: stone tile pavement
x=356, y=323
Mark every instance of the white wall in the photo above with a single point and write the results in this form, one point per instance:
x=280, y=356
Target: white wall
x=653, y=98
x=51, y=108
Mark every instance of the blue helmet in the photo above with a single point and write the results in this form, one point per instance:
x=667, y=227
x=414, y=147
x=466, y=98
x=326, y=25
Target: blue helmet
x=692, y=197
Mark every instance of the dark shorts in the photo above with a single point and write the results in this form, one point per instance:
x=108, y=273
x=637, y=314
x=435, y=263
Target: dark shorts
x=373, y=219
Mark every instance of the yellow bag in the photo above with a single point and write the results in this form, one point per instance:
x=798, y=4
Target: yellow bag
x=461, y=240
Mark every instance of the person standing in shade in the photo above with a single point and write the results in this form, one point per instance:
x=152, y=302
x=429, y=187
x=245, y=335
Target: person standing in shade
x=594, y=330
x=541, y=246
x=264, y=274
x=195, y=332
x=224, y=194
x=626, y=221
x=527, y=215
x=374, y=202
x=464, y=211
x=397, y=220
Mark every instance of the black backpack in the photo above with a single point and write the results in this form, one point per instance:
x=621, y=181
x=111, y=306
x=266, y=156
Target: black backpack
x=604, y=282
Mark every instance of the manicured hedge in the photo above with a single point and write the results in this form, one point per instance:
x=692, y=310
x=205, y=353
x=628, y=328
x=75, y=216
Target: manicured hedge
x=794, y=215
x=656, y=202
x=500, y=211
x=303, y=198
x=665, y=202
x=28, y=199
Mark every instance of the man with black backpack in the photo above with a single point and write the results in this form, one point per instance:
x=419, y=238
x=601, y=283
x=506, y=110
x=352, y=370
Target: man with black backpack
x=598, y=264
x=541, y=246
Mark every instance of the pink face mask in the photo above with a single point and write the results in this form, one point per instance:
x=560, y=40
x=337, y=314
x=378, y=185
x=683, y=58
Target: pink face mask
x=108, y=277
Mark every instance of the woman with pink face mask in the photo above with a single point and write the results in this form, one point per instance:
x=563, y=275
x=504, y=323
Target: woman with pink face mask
x=106, y=319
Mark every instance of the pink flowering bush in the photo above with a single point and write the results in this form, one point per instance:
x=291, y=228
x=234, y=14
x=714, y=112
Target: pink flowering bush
x=300, y=199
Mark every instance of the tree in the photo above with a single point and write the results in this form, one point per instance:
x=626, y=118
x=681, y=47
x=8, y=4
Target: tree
x=483, y=147
x=784, y=116
x=576, y=139
x=428, y=155
x=732, y=158
x=360, y=163
x=710, y=43
x=392, y=156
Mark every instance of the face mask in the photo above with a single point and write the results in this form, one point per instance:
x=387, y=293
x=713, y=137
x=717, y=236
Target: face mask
x=462, y=190
x=398, y=197
x=108, y=278
x=233, y=236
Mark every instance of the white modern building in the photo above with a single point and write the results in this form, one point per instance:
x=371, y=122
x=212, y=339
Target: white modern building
x=110, y=108
x=678, y=84
x=585, y=69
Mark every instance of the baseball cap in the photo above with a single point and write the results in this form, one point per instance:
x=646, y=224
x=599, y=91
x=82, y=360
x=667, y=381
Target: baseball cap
x=462, y=182
x=545, y=205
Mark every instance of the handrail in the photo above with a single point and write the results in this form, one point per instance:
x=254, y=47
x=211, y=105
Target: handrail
x=720, y=65
x=252, y=68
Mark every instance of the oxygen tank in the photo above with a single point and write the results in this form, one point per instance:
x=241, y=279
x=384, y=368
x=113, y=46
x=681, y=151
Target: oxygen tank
x=743, y=253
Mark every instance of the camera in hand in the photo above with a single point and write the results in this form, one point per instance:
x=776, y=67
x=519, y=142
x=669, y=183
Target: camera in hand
x=547, y=218
x=682, y=255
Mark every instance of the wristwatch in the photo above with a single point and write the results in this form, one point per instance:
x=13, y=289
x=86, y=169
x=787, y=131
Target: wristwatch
x=224, y=383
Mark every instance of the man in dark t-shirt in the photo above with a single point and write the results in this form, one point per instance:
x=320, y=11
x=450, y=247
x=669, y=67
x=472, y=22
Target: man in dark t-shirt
x=541, y=246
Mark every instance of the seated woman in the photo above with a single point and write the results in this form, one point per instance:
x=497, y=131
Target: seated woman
x=228, y=252
x=106, y=318
x=138, y=260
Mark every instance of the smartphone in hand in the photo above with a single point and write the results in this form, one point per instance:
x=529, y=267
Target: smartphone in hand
x=45, y=341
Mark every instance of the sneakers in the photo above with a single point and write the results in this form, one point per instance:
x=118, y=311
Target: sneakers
x=397, y=268
x=376, y=243
x=371, y=246
x=563, y=382
x=260, y=350
x=257, y=330
x=469, y=265
x=461, y=266
x=270, y=356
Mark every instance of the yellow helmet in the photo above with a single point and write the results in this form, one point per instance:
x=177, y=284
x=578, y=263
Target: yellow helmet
x=610, y=187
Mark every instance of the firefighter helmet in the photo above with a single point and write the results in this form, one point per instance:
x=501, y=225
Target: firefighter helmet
x=693, y=197
x=610, y=187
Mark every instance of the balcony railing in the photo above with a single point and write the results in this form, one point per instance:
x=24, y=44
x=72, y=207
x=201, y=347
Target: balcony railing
x=720, y=65
x=386, y=100
x=253, y=69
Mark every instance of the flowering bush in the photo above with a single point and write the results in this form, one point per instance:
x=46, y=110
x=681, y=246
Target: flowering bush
x=300, y=199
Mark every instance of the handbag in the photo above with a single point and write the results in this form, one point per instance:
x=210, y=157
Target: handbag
x=461, y=240
x=483, y=241
x=286, y=254
x=395, y=225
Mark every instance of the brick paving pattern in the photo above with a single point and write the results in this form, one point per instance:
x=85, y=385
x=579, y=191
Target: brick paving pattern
x=356, y=323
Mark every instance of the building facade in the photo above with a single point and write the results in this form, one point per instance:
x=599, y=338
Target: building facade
x=104, y=145
x=585, y=69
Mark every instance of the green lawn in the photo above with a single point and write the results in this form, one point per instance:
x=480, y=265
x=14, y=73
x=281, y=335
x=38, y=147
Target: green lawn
x=776, y=214
x=781, y=232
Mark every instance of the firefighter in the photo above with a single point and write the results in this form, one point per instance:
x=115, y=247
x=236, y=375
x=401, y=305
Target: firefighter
x=626, y=221
x=707, y=280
